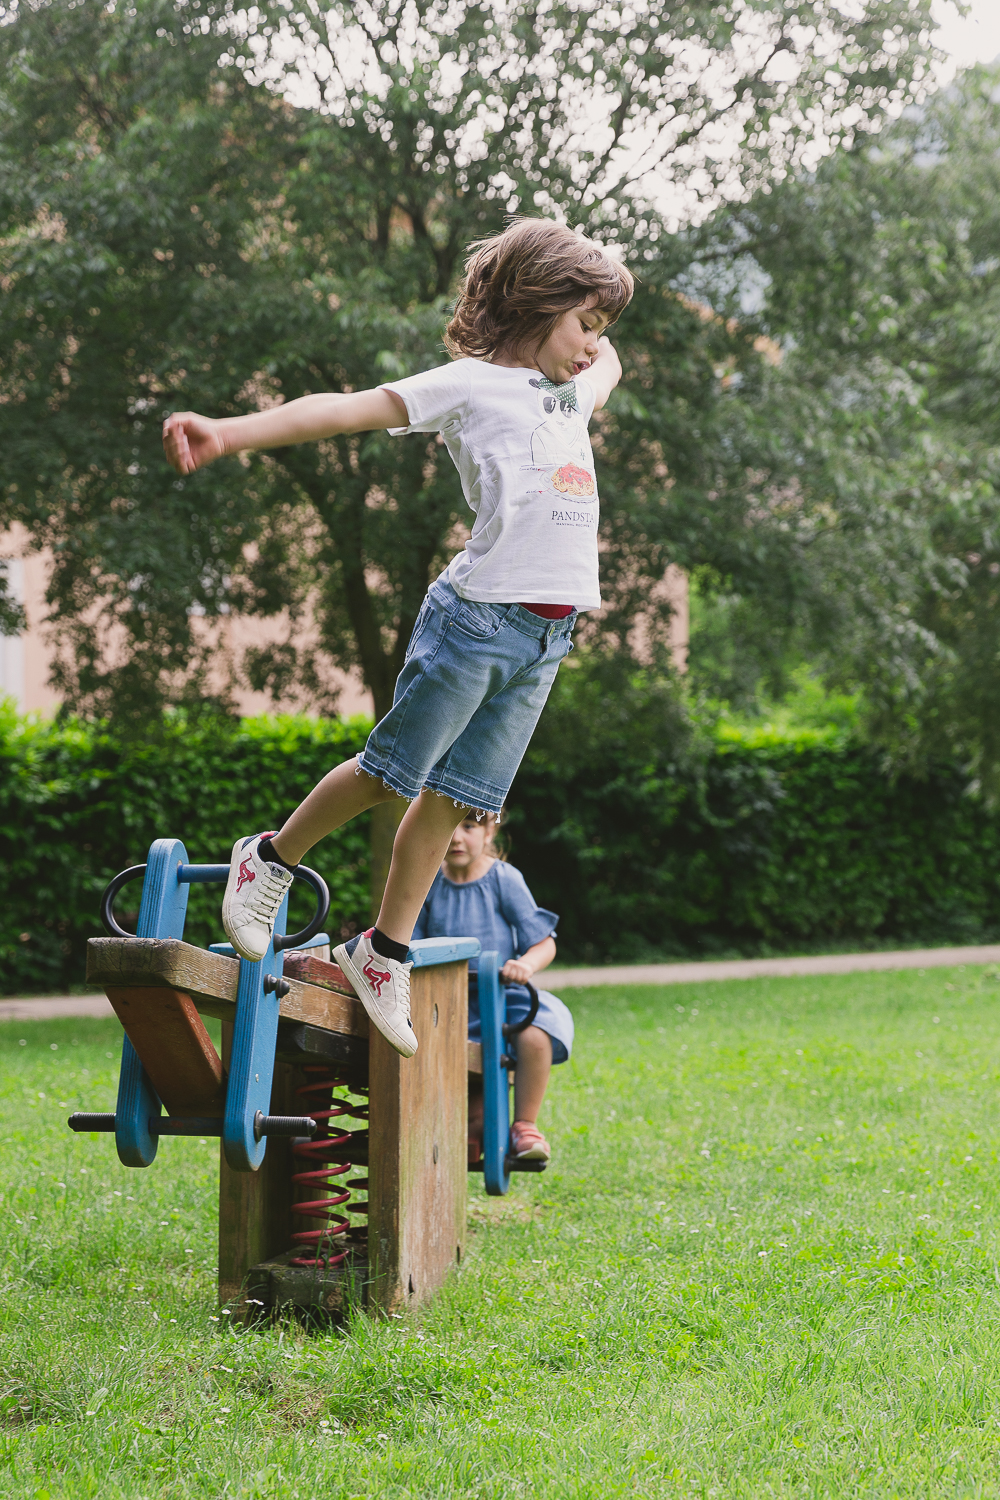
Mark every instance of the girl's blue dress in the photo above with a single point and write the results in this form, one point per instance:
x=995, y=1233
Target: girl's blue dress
x=500, y=911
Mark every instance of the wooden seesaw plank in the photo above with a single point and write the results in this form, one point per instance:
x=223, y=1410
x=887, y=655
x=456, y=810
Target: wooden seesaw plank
x=177, y=1052
x=211, y=979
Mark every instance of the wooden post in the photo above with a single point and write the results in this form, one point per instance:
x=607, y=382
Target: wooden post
x=417, y=1162
x=255, y=1208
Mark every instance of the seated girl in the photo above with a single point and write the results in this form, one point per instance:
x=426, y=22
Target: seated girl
x=476, y=894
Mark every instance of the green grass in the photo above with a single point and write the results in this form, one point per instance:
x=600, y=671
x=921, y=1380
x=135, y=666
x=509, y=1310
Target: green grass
x=764, y=1262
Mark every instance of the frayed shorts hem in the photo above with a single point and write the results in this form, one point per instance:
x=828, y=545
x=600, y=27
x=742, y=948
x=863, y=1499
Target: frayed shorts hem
x=482, y=801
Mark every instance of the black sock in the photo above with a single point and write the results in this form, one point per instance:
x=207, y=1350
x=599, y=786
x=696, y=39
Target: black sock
x=266, y=850
x=386, y=948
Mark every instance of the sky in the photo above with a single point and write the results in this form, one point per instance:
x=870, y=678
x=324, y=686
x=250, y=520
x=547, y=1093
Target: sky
x=971, y=39
x=966, y=39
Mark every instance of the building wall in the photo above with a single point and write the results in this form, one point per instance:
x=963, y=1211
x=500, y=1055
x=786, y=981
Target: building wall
x=25, y=660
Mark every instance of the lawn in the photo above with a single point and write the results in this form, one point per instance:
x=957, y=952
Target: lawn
x=764, y=1262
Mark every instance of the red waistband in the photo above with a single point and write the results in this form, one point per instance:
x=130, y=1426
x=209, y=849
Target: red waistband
x=549, y=611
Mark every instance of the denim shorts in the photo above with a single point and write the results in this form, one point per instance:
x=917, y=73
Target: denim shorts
x=473, y=685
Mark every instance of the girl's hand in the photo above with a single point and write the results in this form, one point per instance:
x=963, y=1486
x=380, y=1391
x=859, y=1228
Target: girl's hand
x=516, y=971
x=190, y=442
x=538, y=956
x=606, y=371
x=608, y=356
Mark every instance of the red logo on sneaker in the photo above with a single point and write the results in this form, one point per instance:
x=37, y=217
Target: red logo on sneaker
x=246, y=875
x=376, y=977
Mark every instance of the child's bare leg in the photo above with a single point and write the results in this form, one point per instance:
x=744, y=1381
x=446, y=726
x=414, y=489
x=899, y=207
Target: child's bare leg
x=421, y=842
x=338, y=798
x=531, y=1077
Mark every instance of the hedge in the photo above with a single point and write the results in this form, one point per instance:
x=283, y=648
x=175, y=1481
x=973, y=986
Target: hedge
x=762, y=842
x=76, y=806
x=774, y=844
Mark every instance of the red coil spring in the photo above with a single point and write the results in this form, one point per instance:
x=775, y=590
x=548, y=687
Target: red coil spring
x=320, y=1084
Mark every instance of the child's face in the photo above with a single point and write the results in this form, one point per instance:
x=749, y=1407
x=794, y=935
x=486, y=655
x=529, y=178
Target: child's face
x=571, y=347
x=468, y=843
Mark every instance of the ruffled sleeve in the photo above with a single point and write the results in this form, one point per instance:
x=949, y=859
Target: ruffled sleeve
x=531, y=923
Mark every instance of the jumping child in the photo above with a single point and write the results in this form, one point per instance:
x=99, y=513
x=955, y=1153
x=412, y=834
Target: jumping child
x=476, y=894
x=530, y=368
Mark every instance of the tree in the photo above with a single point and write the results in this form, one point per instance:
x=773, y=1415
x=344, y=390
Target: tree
x=881, y=281
x=178, y=235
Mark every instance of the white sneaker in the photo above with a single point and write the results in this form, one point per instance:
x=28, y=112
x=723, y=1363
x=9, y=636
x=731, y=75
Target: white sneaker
x=254, y=892
x=383, y=987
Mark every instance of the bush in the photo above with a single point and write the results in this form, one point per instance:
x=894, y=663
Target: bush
x=758, y=841
x=76, y=806
x=646, y=838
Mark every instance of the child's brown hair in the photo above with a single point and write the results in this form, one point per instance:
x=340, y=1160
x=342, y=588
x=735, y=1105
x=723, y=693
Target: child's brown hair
x=519, y=283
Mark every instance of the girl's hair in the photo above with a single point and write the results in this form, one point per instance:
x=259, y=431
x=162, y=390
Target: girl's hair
x=497, y=842
x=520, y=282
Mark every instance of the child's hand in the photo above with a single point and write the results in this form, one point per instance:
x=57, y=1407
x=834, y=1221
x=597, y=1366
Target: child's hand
x=516, y=971
x=190, y=442
x=606, y=371
x=608, y=356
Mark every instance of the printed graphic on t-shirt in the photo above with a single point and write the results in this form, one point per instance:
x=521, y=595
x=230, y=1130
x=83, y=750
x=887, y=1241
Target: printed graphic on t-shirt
x=560, y=451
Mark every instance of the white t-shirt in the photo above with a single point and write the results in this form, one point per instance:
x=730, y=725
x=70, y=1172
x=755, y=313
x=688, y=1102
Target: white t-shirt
x=527, y=470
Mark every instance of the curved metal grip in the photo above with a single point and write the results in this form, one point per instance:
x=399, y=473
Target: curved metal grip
x=508, y=1029
x=134, y=872
x=296, y=939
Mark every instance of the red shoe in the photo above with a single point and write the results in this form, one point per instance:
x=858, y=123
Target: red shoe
x=527, y=1142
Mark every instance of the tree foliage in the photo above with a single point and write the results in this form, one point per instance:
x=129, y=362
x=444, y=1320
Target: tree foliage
x=177, y=234
x=882, y=283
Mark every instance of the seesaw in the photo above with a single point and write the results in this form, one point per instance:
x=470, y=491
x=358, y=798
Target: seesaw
x=303, y=1095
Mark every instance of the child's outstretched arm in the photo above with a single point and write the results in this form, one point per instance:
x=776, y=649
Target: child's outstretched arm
x=520, y=970
x=604, y=372
x=191, y=441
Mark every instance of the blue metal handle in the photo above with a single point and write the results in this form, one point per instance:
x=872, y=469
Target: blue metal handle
x=202, y=874
x=496, y=1092
x=161, y=915
x=251, y=1059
